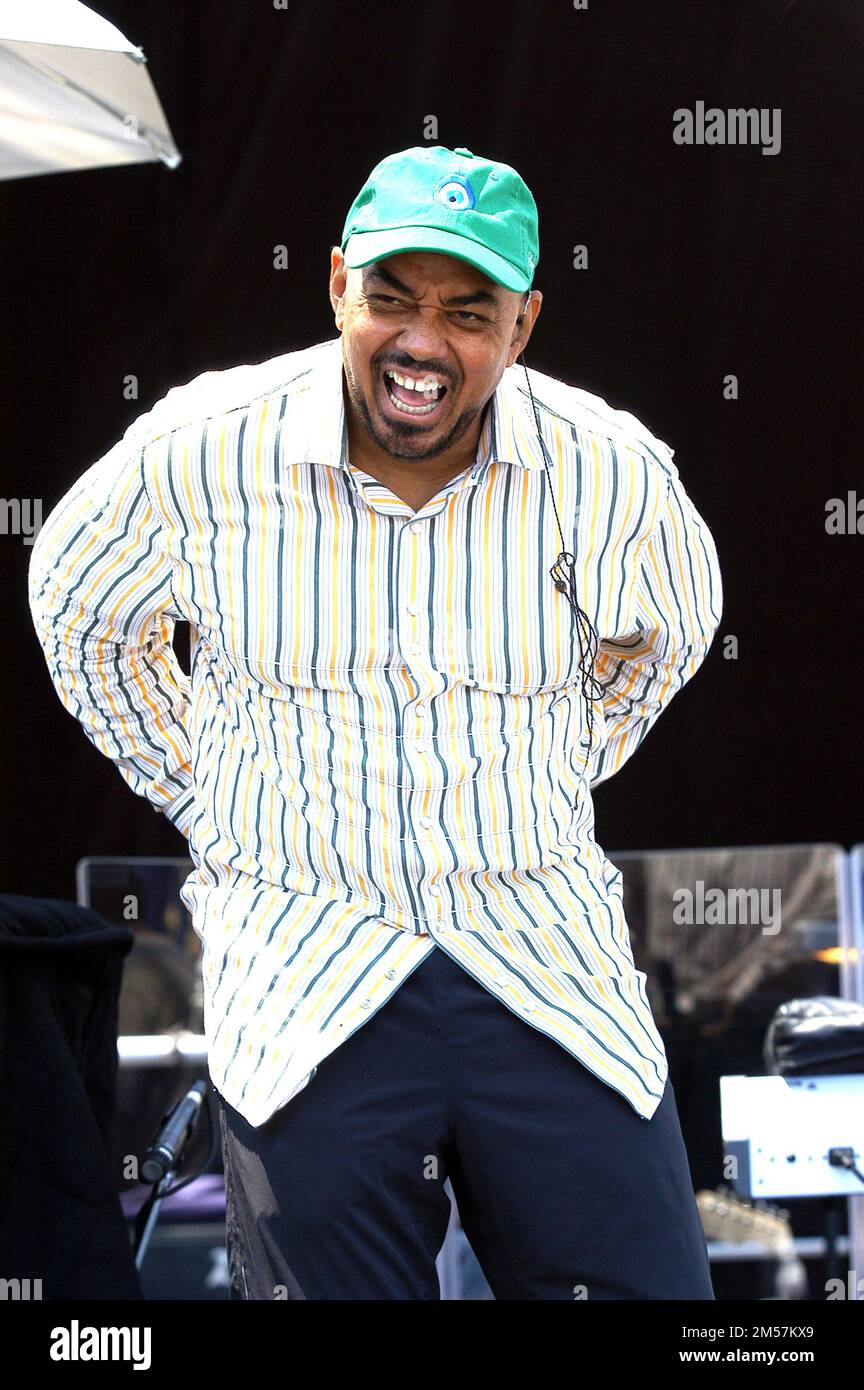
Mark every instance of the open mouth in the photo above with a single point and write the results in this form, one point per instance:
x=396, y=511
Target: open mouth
x=413, y=397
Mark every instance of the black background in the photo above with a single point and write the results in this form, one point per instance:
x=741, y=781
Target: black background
x=703, y=261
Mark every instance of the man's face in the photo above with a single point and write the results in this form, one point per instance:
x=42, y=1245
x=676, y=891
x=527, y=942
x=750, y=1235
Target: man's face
x=436, y=322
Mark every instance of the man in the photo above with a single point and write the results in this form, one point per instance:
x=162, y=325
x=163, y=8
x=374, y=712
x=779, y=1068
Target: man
x=415, y=957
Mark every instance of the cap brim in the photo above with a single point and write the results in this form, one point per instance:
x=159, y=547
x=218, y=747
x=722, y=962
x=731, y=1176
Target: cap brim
x=364, y=247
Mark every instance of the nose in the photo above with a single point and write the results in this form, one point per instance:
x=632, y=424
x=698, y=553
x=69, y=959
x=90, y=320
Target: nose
x=422, y=337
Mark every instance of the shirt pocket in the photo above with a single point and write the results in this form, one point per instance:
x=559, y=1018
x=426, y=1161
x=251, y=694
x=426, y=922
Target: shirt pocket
x=521, y=659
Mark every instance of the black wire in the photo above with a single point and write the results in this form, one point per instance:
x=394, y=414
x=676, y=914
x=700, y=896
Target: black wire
x=849, y=1164
x=564, y=573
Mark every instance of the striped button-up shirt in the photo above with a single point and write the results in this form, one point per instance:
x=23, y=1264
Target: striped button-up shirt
x=382, y=744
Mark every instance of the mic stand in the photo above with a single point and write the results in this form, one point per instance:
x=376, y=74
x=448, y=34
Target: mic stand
x=163, y=1159
x=148, y=1215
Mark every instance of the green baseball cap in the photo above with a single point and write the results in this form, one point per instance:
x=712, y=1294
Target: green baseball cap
x=433, y=199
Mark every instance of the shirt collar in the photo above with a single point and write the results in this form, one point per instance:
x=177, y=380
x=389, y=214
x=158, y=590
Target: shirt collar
x=317, y=430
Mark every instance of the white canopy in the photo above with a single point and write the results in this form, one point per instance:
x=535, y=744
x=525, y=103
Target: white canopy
x=74, y=93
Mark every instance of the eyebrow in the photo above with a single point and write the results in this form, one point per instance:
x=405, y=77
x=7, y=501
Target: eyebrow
x=378, y=274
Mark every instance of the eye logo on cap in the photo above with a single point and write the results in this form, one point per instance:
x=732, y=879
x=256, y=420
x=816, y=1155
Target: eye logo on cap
x=455, y=192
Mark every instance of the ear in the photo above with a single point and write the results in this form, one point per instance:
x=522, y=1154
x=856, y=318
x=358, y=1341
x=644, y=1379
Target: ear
x=338, y=284
x=525, y=320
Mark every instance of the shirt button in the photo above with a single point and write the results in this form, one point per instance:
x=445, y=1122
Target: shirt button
x=367, y=1004
x=420, y=746
x=416, y=649
x=427, y=822
x=435, y=889
x=415, y=527
x=420, y=709
x=391, y=974
x=413, y=607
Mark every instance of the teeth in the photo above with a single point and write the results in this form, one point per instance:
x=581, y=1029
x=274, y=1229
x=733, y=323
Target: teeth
x=426, y=384
x=413, y=409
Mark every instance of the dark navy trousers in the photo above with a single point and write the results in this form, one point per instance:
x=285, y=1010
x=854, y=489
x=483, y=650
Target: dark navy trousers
x=563, y=1190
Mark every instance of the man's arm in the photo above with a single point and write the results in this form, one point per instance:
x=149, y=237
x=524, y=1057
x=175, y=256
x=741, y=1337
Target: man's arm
x=104, y=612
x=679, y=601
